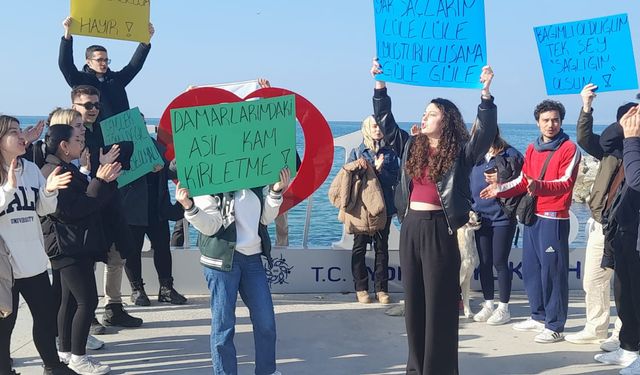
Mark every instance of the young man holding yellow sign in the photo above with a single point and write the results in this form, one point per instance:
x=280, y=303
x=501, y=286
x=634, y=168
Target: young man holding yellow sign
x=96, y=72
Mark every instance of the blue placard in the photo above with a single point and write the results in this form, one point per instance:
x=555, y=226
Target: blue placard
x=597, y=50
x=439, y=43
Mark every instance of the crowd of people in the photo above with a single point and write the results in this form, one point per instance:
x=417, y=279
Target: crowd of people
x=62, y=207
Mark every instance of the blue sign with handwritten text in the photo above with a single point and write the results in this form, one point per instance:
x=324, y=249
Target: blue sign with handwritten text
x=597, y=51
x=439, y=43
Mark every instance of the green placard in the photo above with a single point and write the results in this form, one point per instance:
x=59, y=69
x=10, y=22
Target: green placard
x=129, y=126
x=232, y=146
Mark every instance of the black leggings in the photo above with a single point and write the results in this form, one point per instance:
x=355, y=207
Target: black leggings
x=37, y=292
x=78, y=304
x=158, y=234
x=430, y=262
x=494, y=246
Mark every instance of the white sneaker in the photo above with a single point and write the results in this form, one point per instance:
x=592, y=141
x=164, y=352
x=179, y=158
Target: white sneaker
x=632, y=369
x=484, y=314
x=618, y=357
x=94, y=343
x=500, y=316
x=88, y=366
x=611, y=344
x=529, y=325
x=583, y=337
x=548, y=336
x=64, y=357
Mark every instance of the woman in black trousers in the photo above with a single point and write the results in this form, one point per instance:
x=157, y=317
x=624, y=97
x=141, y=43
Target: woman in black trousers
x=74, y=240
x=433, y=200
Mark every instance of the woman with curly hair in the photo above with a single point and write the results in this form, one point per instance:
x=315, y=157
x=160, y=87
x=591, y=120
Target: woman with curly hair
x=433, y=200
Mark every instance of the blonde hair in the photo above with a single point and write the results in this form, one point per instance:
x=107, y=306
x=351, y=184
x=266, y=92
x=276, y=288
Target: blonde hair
x=5, y=124
x=63, y=116
x=368, y=140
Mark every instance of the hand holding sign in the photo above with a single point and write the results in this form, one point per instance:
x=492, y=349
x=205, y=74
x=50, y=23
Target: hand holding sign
x=182, y=197
x=66, y=25
x=588, y=94
x=285, y=178
x=486, y=77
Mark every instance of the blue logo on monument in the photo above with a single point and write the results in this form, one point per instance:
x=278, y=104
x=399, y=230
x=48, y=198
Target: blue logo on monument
x=279, y=273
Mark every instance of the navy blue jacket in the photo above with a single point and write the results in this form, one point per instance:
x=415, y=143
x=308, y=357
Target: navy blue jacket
x=388, y=174
x=500, y=211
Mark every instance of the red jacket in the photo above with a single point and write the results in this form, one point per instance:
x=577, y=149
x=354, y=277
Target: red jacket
x=555, y=190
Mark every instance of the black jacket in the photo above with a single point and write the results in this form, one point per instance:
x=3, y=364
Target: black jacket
x=116, y=229
x=136, y=198
x=113, y=96
x=75, y=231
x=453, y=187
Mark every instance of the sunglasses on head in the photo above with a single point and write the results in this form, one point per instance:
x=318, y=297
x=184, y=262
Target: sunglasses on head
x=89, y=105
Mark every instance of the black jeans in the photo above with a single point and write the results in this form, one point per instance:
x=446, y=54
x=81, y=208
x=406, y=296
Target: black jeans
x=358, y=267
x=494, y=246
x=627, y=289
x=77, y=307
x=37, y=292
x=158, y=234
x=430, y=262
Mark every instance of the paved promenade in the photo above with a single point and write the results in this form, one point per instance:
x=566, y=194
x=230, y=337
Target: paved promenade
x=320, y=334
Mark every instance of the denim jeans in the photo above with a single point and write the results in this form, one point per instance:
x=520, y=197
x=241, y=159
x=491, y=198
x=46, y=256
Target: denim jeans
x=248, y=277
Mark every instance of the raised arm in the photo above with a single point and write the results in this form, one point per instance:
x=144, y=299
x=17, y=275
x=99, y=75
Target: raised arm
x=486, y=122
x=589, y=141
x=128, y=73
x=65, y=57
x=631, y=159
x=394, y=137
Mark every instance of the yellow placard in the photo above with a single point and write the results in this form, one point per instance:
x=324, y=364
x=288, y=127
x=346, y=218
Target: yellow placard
x=113, y=19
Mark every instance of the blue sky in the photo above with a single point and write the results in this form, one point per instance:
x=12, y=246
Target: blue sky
x=320, y=49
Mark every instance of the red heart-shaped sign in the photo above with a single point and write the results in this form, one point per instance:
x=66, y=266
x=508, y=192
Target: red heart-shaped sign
x=318, y=140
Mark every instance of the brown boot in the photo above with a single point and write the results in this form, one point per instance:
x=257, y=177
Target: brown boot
x=363, y=296
x=383, y=298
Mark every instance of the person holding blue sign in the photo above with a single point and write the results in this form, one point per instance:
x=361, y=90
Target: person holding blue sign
x=433, y=200
x=233, y=238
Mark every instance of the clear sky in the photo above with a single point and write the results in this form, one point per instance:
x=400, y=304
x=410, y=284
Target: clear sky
x=319, y=49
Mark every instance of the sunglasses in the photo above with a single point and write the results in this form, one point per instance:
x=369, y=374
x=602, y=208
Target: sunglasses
x=89, y=105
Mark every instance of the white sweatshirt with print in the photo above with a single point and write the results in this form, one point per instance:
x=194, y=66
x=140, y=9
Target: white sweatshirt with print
x=19, y=222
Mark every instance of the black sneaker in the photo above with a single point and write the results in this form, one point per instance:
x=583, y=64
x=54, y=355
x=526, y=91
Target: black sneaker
x=115, y=315
x=97, y=328
x=168, y=294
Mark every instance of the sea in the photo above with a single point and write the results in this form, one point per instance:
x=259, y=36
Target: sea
x=325, y=229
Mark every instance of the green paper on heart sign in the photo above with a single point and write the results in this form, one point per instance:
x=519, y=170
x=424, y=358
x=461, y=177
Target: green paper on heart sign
x=231, y=146
x=129, y=126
